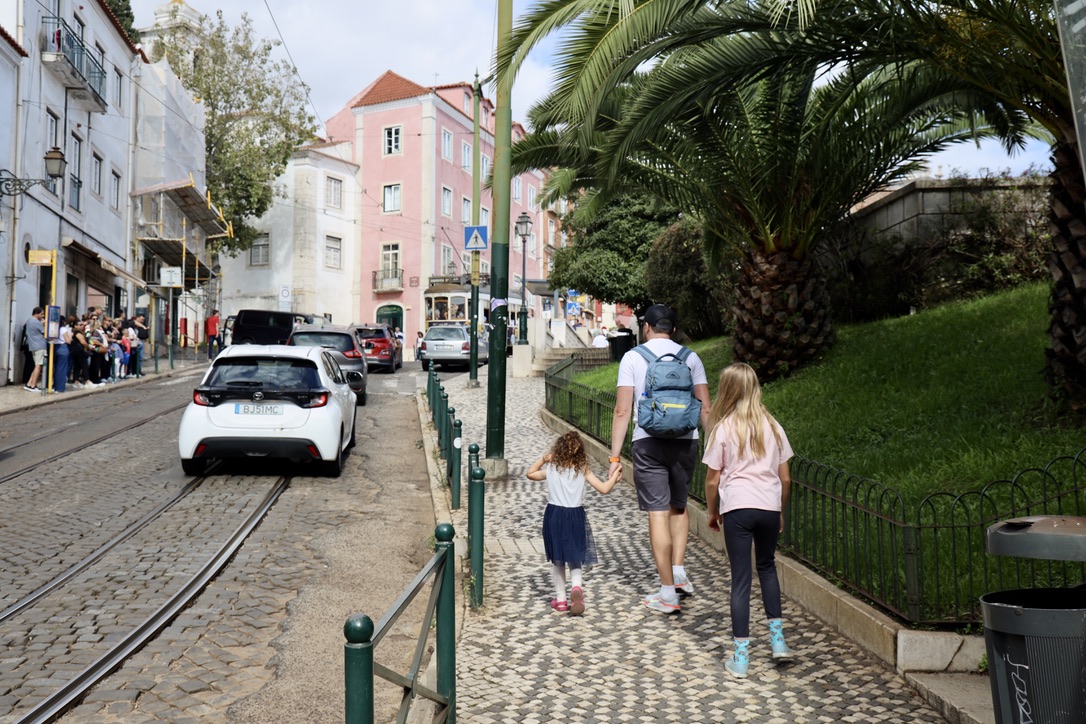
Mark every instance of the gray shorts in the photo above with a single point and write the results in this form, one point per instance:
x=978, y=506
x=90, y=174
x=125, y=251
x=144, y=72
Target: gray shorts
x=662, y=472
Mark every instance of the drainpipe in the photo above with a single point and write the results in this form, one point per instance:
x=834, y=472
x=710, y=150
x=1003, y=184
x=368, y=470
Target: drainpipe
x=13, y=307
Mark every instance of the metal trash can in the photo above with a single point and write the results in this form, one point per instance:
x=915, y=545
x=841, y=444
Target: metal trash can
x=1036, y=637
x=621, y=344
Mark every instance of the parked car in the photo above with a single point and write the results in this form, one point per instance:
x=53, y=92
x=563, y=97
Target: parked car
x=448, y=345
x=340, y=339
x=266, y=326
x=380, y=345
x=228, y=329
x=270, y=401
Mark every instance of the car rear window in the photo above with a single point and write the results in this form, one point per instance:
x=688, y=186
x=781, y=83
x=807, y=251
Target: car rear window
x=370, y=333
x=333, y=340
x=441, y=333
x=271, y=373
x=266, y=319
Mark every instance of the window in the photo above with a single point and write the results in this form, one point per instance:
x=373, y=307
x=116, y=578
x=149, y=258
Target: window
x=75, y=172
x=333, y=249
x=550, y=231
x=531, y=244
x=531, y=197
x=115, y=190
x=465, y=211
x=333, y=193
x=484, y=217
x=448, y=266
x=392, y=198
x=484, y=167
x=96, y=174
x=260, y=251
x=516, y=189
x=390, y=260
x=446, y=201
x=446, y=144
x=392, y=140
x=467, y=103
x=118, y=86
x=52, y=137
x=465, y=157
x=484, y=267
x=100, y=54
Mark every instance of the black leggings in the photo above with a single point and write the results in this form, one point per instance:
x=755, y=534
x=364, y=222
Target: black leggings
x=762, y=528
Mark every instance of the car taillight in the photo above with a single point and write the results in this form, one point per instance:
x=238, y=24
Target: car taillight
x=318, y=400
x=352, y=353
x=422, y=346
x=465, y=347
x=200, y=399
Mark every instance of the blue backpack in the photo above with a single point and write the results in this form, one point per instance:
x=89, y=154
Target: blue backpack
x=667, y=407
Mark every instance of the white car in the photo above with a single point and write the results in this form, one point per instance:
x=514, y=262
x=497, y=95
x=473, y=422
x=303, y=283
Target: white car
x=272, y=401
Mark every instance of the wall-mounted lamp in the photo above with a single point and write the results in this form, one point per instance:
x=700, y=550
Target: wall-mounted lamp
x=55, y=164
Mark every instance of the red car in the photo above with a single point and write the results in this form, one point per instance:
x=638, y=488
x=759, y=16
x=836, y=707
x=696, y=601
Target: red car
x=382, y=348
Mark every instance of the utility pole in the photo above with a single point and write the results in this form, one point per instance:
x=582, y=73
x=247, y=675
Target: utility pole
x=476, y=189
x=499, y=259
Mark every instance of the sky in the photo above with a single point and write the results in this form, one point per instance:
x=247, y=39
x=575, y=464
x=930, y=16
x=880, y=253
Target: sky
x=340, y=46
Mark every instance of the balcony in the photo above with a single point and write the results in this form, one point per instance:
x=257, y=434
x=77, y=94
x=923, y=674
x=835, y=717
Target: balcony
x=63, y=51
x=388, y=280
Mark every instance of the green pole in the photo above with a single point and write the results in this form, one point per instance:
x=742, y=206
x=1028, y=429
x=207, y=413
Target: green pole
x=476, y=190
x=454, y=463
x=358, y=669
x=473, y=462
x=450, y=416
x=446, y=620
x=499, y=254
x=475, y=511
x=441, y=422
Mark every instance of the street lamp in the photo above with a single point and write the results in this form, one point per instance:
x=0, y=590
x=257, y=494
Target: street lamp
x=10, y=185
x=524, y=228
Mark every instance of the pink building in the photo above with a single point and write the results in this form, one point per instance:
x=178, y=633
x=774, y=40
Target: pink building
x=413, y=147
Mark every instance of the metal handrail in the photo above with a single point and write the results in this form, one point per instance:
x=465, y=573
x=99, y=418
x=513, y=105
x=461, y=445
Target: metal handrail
x=60, y=38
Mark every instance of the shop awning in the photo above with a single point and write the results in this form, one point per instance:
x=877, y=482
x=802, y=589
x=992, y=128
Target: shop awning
x=196, y=205
x=73, y=245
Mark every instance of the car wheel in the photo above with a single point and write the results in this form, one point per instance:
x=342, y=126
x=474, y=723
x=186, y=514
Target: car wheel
x=425, y=365
x=400, y=363
x=391, y=369
x=351, y=442
x=193, y=466
x=333, y=468
x=360, y=398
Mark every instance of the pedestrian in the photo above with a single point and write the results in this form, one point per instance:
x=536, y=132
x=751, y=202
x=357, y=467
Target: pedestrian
x=418, y=344
x=81, y=351
x=747, y=455
x=35, y=342
x=600, y=340
x=142, y=335
x=567, y=536
x=214, y=336
x=61, y=356
x=662, y=466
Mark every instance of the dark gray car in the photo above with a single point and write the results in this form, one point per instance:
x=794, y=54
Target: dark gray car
x=448, y=345
x=350, y=356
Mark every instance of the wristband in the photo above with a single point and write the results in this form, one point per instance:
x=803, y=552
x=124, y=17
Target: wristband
x=614, y=460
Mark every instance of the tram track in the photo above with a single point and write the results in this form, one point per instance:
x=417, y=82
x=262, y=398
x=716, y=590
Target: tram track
x=56, y=703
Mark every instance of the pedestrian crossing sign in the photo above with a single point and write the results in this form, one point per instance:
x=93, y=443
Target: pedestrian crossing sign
x=475, y=238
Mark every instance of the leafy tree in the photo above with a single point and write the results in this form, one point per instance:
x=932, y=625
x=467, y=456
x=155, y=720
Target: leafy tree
x=255, y=114
x=123, y=10
x=606, y=255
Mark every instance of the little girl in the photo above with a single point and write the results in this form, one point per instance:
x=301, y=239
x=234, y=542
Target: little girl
x=567, y=536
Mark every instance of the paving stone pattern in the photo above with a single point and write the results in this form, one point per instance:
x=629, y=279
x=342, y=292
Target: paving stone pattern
x=520, y=661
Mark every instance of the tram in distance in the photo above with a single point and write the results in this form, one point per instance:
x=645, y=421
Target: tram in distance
x=448, y=301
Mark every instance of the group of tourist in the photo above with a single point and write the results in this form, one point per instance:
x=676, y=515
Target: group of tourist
x=90, y=350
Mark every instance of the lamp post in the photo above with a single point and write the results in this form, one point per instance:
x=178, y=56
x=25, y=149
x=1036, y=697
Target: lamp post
x=524, y=228
x=10, y=185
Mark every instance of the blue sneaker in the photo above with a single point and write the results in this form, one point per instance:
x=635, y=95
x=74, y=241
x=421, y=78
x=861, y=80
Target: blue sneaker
x=738, y=664
x=781, y=651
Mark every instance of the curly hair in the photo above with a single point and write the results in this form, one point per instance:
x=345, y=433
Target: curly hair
x=569, y=452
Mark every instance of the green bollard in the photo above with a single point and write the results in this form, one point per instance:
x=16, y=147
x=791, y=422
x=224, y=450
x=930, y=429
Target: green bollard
x=442, y=418
x=473, y=462
x=450, y=417
x=358, y=669
x=446, y=620
x=454, y=465
x=475, y=511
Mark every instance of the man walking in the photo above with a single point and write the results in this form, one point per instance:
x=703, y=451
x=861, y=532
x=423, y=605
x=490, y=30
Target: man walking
x=662, y=466
x=35, y=342
x=213, y=336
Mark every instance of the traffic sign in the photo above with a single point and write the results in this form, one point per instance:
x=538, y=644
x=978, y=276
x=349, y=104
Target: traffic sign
x=475, y=238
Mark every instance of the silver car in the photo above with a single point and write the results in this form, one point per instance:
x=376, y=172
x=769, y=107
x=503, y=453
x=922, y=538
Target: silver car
x=448, y=345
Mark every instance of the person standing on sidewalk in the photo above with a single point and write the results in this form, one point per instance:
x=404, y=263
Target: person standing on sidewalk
x=214, y=338
x=662, y=467
x=747, y=455
x=61, y=357
x=35, y=342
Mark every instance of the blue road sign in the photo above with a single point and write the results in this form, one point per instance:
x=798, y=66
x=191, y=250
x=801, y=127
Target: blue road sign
x=475, y=238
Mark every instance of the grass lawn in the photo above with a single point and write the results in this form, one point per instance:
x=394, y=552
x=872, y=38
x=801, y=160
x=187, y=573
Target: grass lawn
x=945, y=400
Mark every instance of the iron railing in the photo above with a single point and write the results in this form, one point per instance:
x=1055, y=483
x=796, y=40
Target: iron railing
x=60, y=38
x=388, y=280
x=924, y=562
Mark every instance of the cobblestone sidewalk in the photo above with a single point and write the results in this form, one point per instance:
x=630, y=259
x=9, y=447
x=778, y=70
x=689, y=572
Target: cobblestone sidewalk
x=518, y=661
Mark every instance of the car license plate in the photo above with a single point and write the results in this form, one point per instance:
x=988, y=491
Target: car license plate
x=240, y=409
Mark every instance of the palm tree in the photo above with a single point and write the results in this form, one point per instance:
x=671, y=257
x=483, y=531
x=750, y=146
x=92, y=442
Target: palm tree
x=767, y=167
x=1006, y=52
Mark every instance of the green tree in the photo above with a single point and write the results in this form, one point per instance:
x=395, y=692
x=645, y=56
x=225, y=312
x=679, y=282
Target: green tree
x=608, y=249
x=255, y=114
x=123, y=10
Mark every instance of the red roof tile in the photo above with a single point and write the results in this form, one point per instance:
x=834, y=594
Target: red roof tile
x=390, y=87
x=13, y=42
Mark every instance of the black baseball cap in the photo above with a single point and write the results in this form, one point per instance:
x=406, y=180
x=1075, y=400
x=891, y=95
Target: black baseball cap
x=661, y=317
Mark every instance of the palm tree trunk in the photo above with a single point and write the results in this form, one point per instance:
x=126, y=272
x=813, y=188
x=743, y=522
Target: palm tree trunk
x=782, y=314
x=1066, y=355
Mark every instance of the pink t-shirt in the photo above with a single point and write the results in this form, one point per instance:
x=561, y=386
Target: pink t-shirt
x=749, y=482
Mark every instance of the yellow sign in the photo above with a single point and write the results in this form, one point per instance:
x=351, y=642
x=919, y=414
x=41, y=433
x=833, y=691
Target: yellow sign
x=40, y=257
x=475, y=268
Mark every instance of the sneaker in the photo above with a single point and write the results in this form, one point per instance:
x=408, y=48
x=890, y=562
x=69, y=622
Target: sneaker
x=738, y=664
x=28, y=388
x=560, y=606
x=683, y=586
x=576, y=603
x=657, y=603
x=781, y=652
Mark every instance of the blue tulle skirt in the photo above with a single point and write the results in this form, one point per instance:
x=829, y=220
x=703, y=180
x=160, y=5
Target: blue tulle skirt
x=567, y=537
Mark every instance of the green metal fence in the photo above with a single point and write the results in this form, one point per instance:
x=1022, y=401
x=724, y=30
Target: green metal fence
x=924, y=562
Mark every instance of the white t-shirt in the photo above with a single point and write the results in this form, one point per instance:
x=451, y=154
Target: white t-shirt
x=565, y=486
x=600, y=341
x=747, y=482
x=633, y=368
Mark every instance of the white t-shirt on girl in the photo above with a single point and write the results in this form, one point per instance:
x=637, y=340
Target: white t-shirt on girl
x=749, y=482
x=565, y=486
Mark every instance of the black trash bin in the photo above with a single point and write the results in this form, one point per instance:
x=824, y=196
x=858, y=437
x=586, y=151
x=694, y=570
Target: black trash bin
x=1036, y=637
x=620, y=345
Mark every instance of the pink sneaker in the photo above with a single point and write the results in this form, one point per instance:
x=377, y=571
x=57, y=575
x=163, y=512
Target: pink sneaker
x=576, y=597
x=560, y=606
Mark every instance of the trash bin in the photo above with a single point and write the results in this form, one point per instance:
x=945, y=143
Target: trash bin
x=620, y=344
x=1036, y=637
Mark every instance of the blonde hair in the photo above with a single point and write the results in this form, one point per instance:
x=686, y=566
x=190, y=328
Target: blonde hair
x=739, y=398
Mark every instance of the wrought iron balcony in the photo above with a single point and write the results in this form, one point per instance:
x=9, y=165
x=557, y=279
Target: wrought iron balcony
x=388, y=280
x=65, y=52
